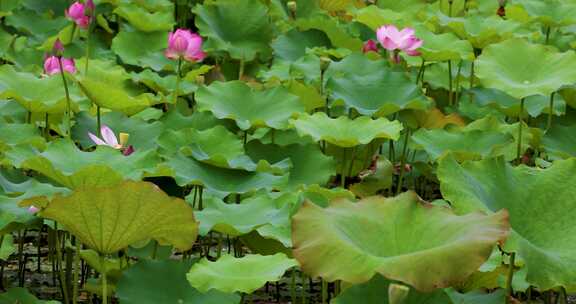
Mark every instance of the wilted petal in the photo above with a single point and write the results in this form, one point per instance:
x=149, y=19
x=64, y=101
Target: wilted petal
x=96, y=140
x=109, y=137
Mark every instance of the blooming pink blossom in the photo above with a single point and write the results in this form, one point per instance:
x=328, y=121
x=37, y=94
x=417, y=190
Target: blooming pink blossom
x=52, y=66
x=395, y=40
x=185, y=44
x=370, y=46
x=109, y=139
x=78, y=13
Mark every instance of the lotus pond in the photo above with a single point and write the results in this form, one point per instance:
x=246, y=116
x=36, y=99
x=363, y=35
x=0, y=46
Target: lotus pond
x=275, y=151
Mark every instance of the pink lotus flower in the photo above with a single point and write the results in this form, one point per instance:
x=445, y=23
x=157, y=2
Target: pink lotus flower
x=52, y=66
x=370, y=46
x=78, y=13
x=33, y=209
x=185, y=44
x=394, y=40
x=109, y=139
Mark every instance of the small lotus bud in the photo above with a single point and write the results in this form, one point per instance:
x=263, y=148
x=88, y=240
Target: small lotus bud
x=324, y=63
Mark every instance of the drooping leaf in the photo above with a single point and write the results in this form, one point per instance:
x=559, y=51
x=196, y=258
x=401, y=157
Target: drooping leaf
x=248, y=107
x=108, y=219
x=401, y=238
x=523, y=69
x=372, y=87
x=344, y=132
x=246, y=274
x=540, y=220
x=142, y=281
x=7, y=247
x=560, y=141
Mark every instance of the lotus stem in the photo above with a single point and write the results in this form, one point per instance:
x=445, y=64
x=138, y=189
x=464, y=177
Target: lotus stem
x=421, y=72
x=343, y=169
x=351, y=162
x=104, y=280
x=98, y=121
x=303, y=291
x=76, y=272
x=551, y=111
x=520, y=123
x=293, y=286
x=68, y=106
x=548, y=29
x=87, y=49
x=457, y=85
x=450, y=82
x=450, y=2
x=73, y=32
x=509, y=278
x=63, y=285
x=241, y=69
x=178, y=71
x=324, y=291
x=403, y=162
x=46, y=127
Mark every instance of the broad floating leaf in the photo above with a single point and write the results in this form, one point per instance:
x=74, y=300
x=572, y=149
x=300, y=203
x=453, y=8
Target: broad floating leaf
x=344, y=132
x=248, y=107
x=141, y=282
x=372, y=87
x=246, y=274
x=149, y=52
x=523, y=69
x=108, y=219
x=540, y=219
x=401, y=238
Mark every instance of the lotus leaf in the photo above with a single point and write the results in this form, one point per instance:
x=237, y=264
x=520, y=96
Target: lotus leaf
x=443, y=47
x=15, y=134
x=246, y=274
x=542, y=235
x=142, y=281
x=371, y=87
x=401, y=238
x=345, y=132
x=144, y=20
x=149, y=52
x=7, y=247
x=560, y=142
x=248, y=107
x=523, y=69
x=534, y=105
x=22, y=296
x=292, y=45
x=338, y=34
x=108, y=219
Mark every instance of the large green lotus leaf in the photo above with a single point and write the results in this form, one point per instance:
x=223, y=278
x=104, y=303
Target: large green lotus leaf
x=523, y=69
x=141, y=282
x=541, y=220
x=145, y=20
x=7, y=247
x=248, y=107
x=309, y=95
x=141, y=48
x=188, y=171
x=107, y=86
x=165, y=84
x=372, y=87
x=15, y=134
x=143, y=135
x=175, y=120
x=401, y=238
x=477, y=297
x=64, y=163
x=493, y=124
x=475, y=144
x=560, y=141
x=309, y=164
x=36, y=94
x=533, y=105
x=241, y=28
x=246, y=274
x=108, y=219
x=551, y=12
x=443, y=47
x=375, y=291
x=323, y=196
x=336, y=31
x=293, y=44
x=375, y=17
x=21, y=295
x=40, y=26
x=482, y=31
x=239, y=219
x=345, y=132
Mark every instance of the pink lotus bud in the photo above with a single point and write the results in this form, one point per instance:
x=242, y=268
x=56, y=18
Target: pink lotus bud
x=77, y=13
x=90, y=7
x=33, y=209
x=185, y=44
x=52, y=66
x=393, y=39
x=58, y=47
x=370, y=46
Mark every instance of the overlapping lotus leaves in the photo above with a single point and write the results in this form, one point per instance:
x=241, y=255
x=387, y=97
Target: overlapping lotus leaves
x=15, y=134
x=443, y=47
x=474, y=144
x=375, y=291
x=241, y=28
x=150, y=50
x=309, y=164
x=246, y=274
x=338, y=34
x=143, y=19
x=21, y=295
x=141, y=282
x=166, y=84
x=248, y=107
x=560, y=141
x=239, y=219
x=401, y=238
x=551, y=12
x=523, y=69
x=482, y=31
x=345, y=132
x=377, y=180
x=533, y=105
x=143, y=135
x=372, y=87
x=33, y=93
x=434, y=119
x=108, y=219
x=188, y=171
x=293, y=44
x=65, y=164
x=543, y=235
x=374, y=17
